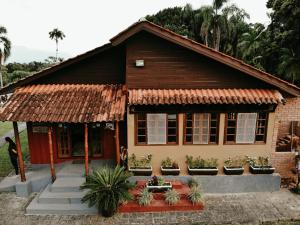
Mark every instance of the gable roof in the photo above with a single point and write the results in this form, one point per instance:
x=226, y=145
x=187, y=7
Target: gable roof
x=174, y=38
x=206, y=51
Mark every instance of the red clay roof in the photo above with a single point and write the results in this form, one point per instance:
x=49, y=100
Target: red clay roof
x=206, y=51
x=204, y=96
x=66, y=103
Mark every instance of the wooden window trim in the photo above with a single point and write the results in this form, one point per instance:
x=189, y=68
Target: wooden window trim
x=145, y=144
x=225, y=142
x=209, y=143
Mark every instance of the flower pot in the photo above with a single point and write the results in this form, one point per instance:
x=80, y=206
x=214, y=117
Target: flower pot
x=169, y=171
x=261, y=170
x=141, y=171
x=107, y=213
x=203, y=171
x=233, y=170
x=159, y=188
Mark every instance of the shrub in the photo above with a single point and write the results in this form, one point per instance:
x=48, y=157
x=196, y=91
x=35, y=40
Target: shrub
x=172, y=197
x=201, y=163
x=193, y=183
x=156, y=181
x=259, y=162
x=169, y=163
x=107, y=189
x=144, y=162
x=145, y=197
x=235, y=162
x=195, y=195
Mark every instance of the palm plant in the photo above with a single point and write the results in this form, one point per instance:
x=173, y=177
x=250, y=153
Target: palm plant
x=5, y=46
x=56, y=34
x=107, y=189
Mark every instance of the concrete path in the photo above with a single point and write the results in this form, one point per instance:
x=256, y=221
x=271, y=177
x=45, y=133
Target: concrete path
x=248, y=208
x=21, y=126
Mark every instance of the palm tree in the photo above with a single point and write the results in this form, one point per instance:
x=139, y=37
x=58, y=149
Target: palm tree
x=289, y=65
x=213, y=22
x=56, y=34
x=5, y=47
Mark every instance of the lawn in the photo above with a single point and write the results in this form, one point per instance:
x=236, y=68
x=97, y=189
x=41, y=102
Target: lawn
x=5, y=127
x=5, y=165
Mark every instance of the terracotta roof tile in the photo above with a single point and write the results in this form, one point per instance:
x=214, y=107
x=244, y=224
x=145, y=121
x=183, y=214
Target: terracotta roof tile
x=66, y=103
x=204, y=96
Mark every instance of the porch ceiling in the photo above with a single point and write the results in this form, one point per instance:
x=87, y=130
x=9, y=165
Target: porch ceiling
x=204, y=96
x=66, y=103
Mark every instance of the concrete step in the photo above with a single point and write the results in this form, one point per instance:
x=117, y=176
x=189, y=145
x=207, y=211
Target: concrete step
x=36, y=208
x=48, y=197
x=67, y=184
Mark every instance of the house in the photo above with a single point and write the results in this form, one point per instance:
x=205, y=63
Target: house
x=153, y=92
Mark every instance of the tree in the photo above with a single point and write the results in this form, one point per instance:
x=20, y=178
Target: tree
x=5, y=47
x=56, y=34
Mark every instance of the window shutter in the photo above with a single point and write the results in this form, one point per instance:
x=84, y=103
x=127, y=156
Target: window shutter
x=156, y=128
x=201, y=128
x=246, y=126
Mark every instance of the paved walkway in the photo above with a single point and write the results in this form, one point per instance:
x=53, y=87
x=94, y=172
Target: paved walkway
x=247, y=208
x=21, y=126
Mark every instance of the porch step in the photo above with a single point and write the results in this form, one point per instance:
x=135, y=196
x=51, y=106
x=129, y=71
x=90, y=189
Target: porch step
x=49, y=197
x=36, y=208
x=67, y=184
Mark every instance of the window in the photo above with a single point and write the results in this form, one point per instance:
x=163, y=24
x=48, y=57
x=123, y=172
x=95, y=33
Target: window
x=156, y=128
x=246, y=128
x=201, y=128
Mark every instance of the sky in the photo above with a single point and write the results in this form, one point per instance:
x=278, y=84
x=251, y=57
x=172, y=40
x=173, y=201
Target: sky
x=88, y=24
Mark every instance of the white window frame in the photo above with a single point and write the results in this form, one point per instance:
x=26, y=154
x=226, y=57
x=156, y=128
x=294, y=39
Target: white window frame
x=201, y=128
x=246, y=128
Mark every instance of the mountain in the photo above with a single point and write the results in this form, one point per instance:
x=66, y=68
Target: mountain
x=23, y=54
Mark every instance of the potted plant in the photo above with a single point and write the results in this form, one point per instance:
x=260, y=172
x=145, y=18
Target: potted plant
x=195, y=195
x=172, y=197
x=169, y=167
x=158, y=184
x=260, y=165
x=234, y=166
x=199, y=166
x=107, y=188
x=145, y=197
x=140, y=167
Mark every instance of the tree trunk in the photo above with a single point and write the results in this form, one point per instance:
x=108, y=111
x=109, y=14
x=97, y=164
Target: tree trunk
x=56, y=50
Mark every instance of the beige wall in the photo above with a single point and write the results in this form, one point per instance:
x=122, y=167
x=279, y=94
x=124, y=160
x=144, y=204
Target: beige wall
x=178, y=152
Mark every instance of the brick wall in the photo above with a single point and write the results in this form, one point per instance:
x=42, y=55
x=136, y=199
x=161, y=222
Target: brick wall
x=284, y=161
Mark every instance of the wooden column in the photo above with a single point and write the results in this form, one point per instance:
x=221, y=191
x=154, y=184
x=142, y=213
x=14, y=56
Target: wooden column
x=52, y=168
x=86, y=148
x=117, y=138
x=19, y=151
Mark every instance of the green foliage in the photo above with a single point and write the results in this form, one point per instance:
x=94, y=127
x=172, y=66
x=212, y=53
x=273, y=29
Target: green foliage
x=193, y=183
x=259, y=162
x=5, y=42
x=144, y=162
x=171, y=197
x=201, y=163
x=195, y=195
x=169, y=163
x=107, y=189
x=145, y=197
x=156, y=181
x=235, y=162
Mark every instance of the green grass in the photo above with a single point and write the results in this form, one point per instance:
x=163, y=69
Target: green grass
x=5, y=127
x=5, y=165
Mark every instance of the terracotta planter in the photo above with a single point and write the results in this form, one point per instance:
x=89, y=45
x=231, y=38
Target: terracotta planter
x=203, y=171
x=261, y=170
x=141, y=171
x=233, y=170
x=169, y=171
x=159, y=188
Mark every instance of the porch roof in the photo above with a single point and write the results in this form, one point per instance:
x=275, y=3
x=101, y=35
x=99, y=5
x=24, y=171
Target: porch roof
x=66, y=103
x=204, y=96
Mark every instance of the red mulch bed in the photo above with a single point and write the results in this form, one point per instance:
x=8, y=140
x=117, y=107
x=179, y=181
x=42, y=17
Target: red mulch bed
x=158, y=203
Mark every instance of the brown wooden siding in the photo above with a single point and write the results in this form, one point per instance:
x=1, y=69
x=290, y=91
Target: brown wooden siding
x=170, y=66
x=107, y=67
